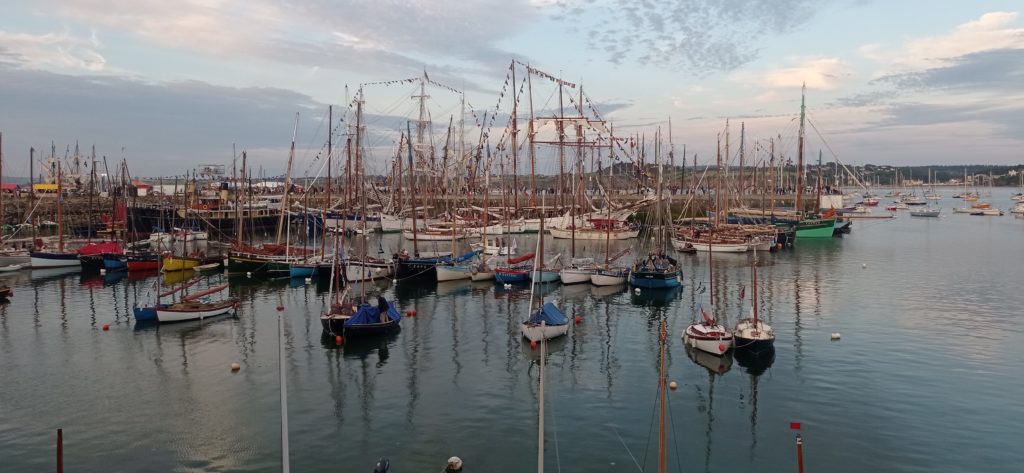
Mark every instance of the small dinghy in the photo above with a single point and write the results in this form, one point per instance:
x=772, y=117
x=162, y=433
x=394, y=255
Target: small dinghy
x=11, y=268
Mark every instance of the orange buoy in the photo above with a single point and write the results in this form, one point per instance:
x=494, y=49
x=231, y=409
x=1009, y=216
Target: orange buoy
x=339, y=340
x=579, y=319
x=533, y=344
x=106, y=327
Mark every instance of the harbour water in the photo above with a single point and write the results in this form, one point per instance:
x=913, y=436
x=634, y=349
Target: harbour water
x=925, y=378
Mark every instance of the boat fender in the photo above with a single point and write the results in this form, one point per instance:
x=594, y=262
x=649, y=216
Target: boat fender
x=382, y=466
x=673, y=385
x=721, y=347
x=235, y=367
x=339, y=340
x=533, y=344
x=835, y=336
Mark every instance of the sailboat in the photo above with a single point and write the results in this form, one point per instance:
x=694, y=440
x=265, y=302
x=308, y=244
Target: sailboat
x=188, y=307
x=546, y=321
x=753, y=334
x=708, y=336
x=821, y=226
x=607, y=275
x=657, y=270
x=59, y=258
x=345, y=317
x=541, y=273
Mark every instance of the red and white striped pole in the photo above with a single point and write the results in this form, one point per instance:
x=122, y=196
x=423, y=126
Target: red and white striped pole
x=799, y=447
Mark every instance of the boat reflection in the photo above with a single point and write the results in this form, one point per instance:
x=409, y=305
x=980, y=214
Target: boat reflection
x=603, y=292
x=554, y=345
x=361, y=347
x=755, y=363
x=576, y=291
x=452, y=288
x=175, y=277
x=716, y=365
x=39, y=275
x=655, y=297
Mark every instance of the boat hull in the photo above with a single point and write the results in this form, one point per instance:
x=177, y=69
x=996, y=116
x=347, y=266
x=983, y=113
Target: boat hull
x=536, y=333
x=368, y=271
x=512, y=276
x=171, y=313
x=576, y=275
x=302, y=270
x=609, y=278
x=655, y=280
x=716, y=341
x=45, y=259
x=544, y=276
x=416, y=268
x=115, y=262
x=593, y=234
x=452, y=273
x=752, y=336
x=178, y=263
x=477, y=274
x=815, y=228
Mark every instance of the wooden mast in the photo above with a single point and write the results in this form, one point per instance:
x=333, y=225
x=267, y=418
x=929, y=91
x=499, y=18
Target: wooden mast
x=412, y=191
x=515, y=140
x=529, y=141
x=287, y=183
x=330, y=155
x=662, y=336
x=800, y=155
x=60, y=211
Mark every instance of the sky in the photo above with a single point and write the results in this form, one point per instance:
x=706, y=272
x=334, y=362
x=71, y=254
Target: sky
x=171, y=85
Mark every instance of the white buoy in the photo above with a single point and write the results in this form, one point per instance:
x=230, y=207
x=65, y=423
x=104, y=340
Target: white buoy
x=454, y=464
x=248, y=274
x=394, y=281
x=835, y=335
x=309, y=280
x=636, y=291
x=508, y=286
x=235, y=366
x=673, y=385
x=103, y=271
x=864, y=266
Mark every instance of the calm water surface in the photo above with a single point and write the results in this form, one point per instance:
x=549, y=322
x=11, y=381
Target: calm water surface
x=927, y=376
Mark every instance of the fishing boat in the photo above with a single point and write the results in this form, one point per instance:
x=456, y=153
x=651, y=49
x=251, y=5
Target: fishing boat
x=172, y=262
x=708, y=336
x=753, y=334
x=657, y=270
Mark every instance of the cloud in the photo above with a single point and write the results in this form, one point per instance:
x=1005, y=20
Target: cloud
x=703, y=36
x=58, y=50
x=992, y=71
x=823, y=73
x=991, y=31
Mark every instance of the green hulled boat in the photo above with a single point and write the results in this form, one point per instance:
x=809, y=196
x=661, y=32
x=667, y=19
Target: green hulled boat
x=815, y=228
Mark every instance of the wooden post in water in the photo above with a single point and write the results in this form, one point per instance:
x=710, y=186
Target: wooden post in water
x=60, y=450
x=799, y=454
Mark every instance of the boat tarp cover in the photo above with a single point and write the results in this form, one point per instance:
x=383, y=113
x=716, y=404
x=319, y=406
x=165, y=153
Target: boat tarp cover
x=520, y=259
x=370, y=314
x=549, y=314
x=100, y=248
x=466, y=257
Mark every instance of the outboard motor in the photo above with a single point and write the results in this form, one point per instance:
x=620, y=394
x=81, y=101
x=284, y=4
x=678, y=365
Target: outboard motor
x=383, y=465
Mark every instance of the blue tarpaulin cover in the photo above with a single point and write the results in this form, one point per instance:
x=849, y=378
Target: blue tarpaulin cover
x=370, y=314
x=549, y=314
x=466, y=256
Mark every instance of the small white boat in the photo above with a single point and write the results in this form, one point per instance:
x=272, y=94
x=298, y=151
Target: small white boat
x=496, y=247
x=453, y=272
x=681, y=244
x=434, y=235
x=11, y=268
x=610, y=277
x=1018, y=209
x=481, y=272
x=193, y=310
x=579, y=271
x=926, y=212
x=368, y=270
x=988, y=212
x=709, y=336
x=207, y=267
